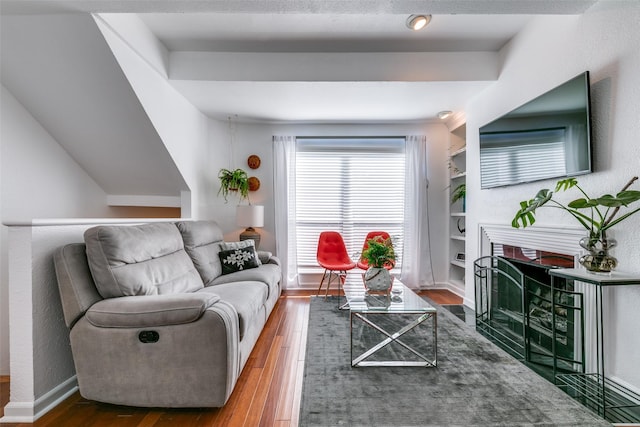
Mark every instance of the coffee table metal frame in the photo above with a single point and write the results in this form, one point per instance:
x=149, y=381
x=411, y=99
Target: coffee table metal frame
x=401, y=301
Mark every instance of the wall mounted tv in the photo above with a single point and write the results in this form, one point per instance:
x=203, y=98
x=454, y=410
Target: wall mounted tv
x=548, y=137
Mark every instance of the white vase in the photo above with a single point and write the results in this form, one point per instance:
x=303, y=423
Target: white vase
x=377, y=279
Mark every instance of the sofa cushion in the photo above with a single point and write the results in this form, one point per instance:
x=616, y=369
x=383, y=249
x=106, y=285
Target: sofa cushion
x=151, y=310
x=147, y=259
x=238, y=259
x=247, y=298
x=249, y=243
x=268, y=274
x=202, y=243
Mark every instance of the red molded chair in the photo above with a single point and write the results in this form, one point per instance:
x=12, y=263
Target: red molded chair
x=362, y=263
x=333, y=257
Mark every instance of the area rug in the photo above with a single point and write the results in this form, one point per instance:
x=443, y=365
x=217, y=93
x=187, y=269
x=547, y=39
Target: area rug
x=474, y=384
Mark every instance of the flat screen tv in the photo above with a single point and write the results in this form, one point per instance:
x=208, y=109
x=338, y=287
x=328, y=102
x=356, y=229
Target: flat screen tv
x=548, y=137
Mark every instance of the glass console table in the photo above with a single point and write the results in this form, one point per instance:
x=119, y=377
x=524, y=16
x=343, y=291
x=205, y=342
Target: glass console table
x=611, y=400
x=391, y=329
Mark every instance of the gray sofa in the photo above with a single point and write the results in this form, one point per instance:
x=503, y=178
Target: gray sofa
x=153, y=320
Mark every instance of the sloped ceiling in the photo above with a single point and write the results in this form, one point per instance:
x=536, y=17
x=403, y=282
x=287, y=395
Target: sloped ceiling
x=62, y=70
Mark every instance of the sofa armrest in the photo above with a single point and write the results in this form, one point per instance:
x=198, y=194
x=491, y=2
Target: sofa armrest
x=150, y=311
x=267, y=257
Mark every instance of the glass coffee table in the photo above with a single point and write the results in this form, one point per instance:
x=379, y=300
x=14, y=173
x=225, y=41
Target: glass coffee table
x=395, y=329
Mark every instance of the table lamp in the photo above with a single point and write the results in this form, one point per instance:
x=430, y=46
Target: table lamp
x=250, y=216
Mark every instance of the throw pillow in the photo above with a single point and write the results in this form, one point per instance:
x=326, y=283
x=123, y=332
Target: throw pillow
x=233, y=260
x=249, y=243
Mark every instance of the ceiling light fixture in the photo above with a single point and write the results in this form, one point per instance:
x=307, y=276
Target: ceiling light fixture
x=444, y=114
x=418, y=22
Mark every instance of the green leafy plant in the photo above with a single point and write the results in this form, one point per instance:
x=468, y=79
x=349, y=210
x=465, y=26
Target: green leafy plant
x=233, y=181
x=459, y=193
x=597, y=219
x=379, y=252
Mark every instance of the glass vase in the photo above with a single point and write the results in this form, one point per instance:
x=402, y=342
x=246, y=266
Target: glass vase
x=598, y=259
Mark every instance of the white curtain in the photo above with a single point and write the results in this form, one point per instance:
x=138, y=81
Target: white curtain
x=416, y=265
x=284, y=184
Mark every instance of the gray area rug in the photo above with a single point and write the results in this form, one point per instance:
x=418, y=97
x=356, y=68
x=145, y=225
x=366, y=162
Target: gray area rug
x=474, y=384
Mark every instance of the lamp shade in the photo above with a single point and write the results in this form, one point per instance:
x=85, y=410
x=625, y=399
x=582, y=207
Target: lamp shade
x=250, y=216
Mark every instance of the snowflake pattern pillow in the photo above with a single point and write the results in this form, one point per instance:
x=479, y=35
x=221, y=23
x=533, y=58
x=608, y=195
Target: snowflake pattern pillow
x=249, y=243
x=239, y=259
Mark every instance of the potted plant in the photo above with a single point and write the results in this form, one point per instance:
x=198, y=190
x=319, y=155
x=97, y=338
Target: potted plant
x=233, y=180
x=380, y=257
x=599, y=217
x=459, y=193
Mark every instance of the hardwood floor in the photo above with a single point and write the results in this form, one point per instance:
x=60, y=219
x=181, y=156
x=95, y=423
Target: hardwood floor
x=267, y=393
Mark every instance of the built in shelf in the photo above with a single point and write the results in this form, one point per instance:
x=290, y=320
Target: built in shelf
x=459, y=175
x=457, y=263
x=459, y=214
x=458, y=152
x=458, y=238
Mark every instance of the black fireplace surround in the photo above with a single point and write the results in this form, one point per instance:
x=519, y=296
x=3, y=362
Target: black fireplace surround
x=514, y=308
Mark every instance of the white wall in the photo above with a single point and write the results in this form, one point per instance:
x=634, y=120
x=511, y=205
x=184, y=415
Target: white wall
x=182, y=128
x=257, y=139
x=548, y=52
x=38, y=179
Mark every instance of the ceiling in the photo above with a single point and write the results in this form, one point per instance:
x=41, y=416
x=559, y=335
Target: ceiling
x=326, y=61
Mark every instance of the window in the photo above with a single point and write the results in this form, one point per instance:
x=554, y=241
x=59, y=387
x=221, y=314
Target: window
x=348, y=185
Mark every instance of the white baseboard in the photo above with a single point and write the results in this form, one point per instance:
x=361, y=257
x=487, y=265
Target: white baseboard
x=469, y=303
x=446, y=285
x=29, y=412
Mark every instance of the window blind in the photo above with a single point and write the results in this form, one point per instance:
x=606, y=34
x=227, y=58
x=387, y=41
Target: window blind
x=351, y=186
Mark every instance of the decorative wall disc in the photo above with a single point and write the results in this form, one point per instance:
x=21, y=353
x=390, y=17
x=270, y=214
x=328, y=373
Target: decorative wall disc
x=254, y=183
x=253, y=161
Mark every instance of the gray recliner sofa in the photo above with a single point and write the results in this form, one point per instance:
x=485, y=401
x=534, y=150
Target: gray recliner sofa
x=153, y=320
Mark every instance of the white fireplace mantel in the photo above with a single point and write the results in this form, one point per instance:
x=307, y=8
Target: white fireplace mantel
x=563, y=240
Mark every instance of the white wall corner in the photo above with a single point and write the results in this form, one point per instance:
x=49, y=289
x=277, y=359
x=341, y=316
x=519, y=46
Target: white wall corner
x=21, y=320
x=29, y=412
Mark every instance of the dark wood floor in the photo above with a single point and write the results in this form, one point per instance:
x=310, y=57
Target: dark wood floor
x=267, y=393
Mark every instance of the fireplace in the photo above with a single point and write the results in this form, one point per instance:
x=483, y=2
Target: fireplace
x=553, y=326
x=516, y=308
x=519, y=309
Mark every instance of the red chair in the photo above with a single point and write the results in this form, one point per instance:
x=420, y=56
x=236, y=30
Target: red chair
x=333, y=257
x=362, y=263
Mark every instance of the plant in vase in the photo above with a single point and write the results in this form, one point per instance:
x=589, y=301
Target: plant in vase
x=600, y=216
x=380, y=258
x=233, y=181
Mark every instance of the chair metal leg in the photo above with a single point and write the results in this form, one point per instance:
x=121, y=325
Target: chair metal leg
x=326, y=275
x=342, y=278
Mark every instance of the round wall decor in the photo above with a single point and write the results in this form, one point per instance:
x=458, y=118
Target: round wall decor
x=253, y=161
x=254, y=183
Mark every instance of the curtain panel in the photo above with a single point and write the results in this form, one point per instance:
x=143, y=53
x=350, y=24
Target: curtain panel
x=284, y=188
x=416, y=268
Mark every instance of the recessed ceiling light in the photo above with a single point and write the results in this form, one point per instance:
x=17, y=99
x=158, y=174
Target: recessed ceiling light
x=418, y=22
x=444, y=114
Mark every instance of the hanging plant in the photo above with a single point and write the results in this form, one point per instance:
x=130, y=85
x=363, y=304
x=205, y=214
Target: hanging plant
x=233, y=181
